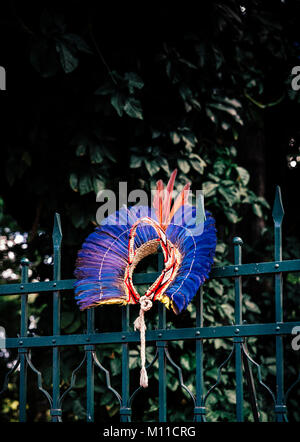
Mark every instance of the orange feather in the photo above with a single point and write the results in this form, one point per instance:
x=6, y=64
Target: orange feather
x=168, y=197
x=163, y=198
x=180, y=201
x=158, y=200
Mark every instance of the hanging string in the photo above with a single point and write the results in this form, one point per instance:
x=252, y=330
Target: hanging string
x=139, y=324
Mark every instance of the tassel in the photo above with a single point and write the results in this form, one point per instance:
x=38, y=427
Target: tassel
x=139, y=324
x=144, y=378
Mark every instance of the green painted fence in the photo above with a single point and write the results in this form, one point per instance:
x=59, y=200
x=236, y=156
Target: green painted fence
x=160, y=337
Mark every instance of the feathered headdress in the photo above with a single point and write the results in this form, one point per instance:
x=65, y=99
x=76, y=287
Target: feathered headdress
x=109, y=256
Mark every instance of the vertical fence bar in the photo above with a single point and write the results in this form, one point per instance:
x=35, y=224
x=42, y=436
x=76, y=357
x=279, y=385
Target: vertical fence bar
x=162, y=389
x=199, y=411
x=57, y=237
x=162, y=392
x=125, y=410
x=238, y=340
x=90, y=367
x=278, y=213
x=23, y=351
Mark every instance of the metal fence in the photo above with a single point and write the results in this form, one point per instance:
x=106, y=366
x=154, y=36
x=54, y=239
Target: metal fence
x=160, y=337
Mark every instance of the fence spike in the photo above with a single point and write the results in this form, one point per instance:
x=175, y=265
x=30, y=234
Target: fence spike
x=24, y=262
x=278, y=211
x=57, y=232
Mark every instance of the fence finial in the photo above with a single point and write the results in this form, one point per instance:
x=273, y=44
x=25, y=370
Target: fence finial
x=57, y=232
x=278, y=211
x=24, y=262
x=237, y=241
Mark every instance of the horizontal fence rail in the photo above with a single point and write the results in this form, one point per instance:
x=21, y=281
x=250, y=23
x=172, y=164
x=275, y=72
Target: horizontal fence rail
x=238, y=332
x=255, y=269
x=161, y=334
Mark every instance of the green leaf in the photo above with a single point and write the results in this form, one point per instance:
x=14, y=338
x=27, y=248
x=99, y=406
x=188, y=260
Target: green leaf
x=228, y=193
x=221, y=247
x=235, y=134
x=164, y=165
x=85, y=185
x=78, y=409
x=233, y=151
x=228, y=310
x=243, y=175
x=95, y=154
x=155, y=133
x=115, y=366
x=212, y=373
x=185, y=362
x=98, y=184
x=196, y=104
x=135, y=161
x=183, y=165
x=218, y=288
x=251, y=306
x=198, y=165
x=221, y=107
x=67, y=59
x=190, y=139
x=187, y=63
x=109, y=154
x=210, y=318
x=232, y=216
x=173, y=384
x=219, y=167
x=230, y=110
x=218, y=343
x=152, y=167
x=214, y=177
x=232, y=101
x=81, y=149
x=175, y=137
x=155, y=151
x=257, y=210
x=263, y=202
x=73, y=182
x=134, y=81
x=209, y=188
x=230, y=394
x=185, y=92
x=118, y=100
x=202, y=53
x=133, y=108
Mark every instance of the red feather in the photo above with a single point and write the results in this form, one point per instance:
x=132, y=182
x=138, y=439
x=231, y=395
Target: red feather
x=163, y=198
x=168, y=198
x=158, y=200
x=181, y=200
